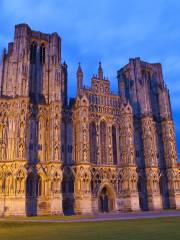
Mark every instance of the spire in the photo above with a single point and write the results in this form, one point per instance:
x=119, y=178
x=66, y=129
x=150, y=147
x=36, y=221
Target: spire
x=79, y=70
x=79, y=75
x=64, y=64
x=64, y=84
x=100, y=71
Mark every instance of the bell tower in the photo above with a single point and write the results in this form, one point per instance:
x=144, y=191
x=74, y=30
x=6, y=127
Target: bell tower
x=33, y=85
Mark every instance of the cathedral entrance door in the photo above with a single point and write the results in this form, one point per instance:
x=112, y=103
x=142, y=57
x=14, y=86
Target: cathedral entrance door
x=104, y=200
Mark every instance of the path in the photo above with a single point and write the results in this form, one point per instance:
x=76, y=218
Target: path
x=106, y=217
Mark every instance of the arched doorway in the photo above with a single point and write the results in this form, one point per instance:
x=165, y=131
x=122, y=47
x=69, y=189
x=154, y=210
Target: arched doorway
x=31, y=194
x=31, y=185
x=163, y=185
x=68, y=195
x=141, y=186
x=106, y=200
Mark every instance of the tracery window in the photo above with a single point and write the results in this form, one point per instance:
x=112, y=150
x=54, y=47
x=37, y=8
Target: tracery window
x=42, y=53
x=39, y=187
x=103, y=142
x=114, y=145
x=93, y=144
x=33, y=52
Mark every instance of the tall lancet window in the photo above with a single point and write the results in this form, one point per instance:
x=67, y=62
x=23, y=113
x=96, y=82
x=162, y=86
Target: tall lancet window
x=42, y=53
x=114, y=145
x=103, y=142
x=93, y=143
x=33, y=52
x=39, y=186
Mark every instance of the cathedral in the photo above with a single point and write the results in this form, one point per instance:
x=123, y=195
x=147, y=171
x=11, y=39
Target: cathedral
x=97, y=152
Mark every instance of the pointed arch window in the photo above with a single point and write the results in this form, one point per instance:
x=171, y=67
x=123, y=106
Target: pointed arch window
x=103, y=142
x=42, y=53
x=93, y=144
x=114, y=145
x=39, y=186
x=33, y=52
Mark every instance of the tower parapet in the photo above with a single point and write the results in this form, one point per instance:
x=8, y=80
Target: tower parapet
x=33, y=61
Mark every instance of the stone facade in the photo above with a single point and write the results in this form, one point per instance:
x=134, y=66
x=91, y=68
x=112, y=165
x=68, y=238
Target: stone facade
x=99, y=152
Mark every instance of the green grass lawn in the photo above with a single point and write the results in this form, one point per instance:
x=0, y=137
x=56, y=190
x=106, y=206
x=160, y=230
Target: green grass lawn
x=146, y=229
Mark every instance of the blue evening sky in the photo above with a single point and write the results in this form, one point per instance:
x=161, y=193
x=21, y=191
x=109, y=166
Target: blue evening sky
x=111, y=31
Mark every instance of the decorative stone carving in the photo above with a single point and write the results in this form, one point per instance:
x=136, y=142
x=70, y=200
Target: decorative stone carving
x=133, y=134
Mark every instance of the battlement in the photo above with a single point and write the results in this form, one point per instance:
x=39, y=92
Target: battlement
x=28, y=59
x=138, y=63
x=24, y=30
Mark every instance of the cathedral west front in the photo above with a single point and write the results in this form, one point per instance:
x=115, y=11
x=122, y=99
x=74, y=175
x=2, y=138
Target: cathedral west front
x=98, y=152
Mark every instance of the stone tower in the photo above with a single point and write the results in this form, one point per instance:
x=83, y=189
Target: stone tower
x=143, y=86
x=33, y=90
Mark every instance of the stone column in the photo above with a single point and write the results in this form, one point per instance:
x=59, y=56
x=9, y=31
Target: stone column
x=54, y=157
x=82, y=190
x=129, y=192
x=56, y=192
x=82, y=193
x=151, y=163
x=170, y=155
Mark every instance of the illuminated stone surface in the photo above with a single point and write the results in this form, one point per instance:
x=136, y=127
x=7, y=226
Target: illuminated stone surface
x=100, y=152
